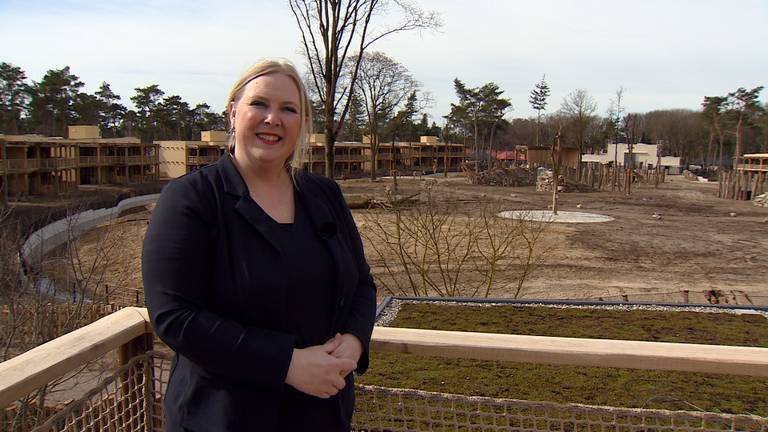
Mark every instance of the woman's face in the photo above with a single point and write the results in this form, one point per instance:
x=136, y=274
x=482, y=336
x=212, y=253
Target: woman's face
x=267, y=121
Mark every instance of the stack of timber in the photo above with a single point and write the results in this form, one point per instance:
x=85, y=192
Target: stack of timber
x=500, y=176
x=544, y=183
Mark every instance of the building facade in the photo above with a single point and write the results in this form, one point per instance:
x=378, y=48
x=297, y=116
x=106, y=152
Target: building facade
x=40, y=165
x=354, y=158
x=643, y=156
x=177, y=158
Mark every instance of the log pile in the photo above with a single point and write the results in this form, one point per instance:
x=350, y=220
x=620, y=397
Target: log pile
x=499, y=176
x=544, y=183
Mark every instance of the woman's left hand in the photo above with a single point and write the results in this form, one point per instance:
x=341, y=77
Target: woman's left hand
x=350, y=348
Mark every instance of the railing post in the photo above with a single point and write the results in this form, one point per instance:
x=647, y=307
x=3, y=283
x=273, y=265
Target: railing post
x=132, y=398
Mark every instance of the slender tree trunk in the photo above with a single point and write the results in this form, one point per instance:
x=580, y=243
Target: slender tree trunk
x=630, y=171
x=739, y=133
x=720, y=145
x=555, y=171
x=330, y=140
x=615, y=178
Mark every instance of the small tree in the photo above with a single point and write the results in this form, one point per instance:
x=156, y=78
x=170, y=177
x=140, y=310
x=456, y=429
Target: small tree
x=436, y=249
x=538, y=101
x=615, y=114
x=579, y=106
x=556, y=165
x=383, y=84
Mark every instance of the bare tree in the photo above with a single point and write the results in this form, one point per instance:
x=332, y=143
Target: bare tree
x=439, y=249
x=632, y=124
x=579, y=106
x=383, y=84
x=614, y=113
x=335, y=35
x=557, y=162
x=40, y=301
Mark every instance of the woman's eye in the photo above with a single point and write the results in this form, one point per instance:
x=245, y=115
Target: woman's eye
x=290, y=109
x=258, y=103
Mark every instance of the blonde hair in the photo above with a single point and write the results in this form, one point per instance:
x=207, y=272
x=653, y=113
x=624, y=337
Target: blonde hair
x=269, y=67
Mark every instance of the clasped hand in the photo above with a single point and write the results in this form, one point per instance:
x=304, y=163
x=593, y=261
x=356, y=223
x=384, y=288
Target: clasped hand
x=320, y=370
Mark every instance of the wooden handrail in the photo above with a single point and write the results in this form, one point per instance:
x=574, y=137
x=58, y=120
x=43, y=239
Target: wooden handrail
x=722, y=359
x=39, y=366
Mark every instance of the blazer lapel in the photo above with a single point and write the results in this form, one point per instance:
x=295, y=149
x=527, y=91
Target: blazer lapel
x=235, y=185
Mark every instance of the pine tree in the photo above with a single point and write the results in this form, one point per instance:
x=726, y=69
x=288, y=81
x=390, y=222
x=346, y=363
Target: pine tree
x=538, y=101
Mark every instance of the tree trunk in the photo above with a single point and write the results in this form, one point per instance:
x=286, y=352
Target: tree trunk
x=615, y=167
x=739, y=133
x=330, y=140
x=374, y=157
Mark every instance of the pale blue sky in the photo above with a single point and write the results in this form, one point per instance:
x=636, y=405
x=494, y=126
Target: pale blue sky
x=666, y=54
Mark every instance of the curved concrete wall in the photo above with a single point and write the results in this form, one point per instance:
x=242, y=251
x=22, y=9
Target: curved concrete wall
x=57, y=233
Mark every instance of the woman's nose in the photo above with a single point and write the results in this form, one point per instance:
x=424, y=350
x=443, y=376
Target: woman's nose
x=273, y=118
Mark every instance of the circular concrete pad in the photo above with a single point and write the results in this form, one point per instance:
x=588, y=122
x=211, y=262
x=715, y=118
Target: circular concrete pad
x=561, y=217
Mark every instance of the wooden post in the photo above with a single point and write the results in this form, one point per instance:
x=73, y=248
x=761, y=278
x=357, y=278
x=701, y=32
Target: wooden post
x=129, y=397
x=719, y=186
x=754, y=186
x=686, y=296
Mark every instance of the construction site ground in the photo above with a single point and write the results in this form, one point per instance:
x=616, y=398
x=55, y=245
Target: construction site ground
x=662, y=243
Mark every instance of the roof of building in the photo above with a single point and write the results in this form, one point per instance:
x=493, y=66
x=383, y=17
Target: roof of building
x=41, y=139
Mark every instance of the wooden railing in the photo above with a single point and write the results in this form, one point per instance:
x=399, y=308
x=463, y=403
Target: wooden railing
x=752, y=167
x=128, y=330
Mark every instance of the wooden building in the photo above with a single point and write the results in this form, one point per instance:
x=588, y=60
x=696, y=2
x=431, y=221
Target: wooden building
x=39, y=165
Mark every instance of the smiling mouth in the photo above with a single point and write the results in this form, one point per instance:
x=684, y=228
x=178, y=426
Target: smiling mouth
x=269, y=138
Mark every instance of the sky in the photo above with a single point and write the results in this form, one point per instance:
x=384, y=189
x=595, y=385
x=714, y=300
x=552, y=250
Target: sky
x=664, y=54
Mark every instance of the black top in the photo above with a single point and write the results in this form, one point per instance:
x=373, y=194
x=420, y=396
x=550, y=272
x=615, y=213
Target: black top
x=309, y=280
x=309, y=289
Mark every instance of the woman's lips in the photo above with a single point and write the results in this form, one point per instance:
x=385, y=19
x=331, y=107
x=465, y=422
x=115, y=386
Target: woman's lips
x=269, y=139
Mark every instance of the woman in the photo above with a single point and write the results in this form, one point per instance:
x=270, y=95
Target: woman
x=255, y=276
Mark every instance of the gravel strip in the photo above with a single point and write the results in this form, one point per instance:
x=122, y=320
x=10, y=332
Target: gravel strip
x=390, y=313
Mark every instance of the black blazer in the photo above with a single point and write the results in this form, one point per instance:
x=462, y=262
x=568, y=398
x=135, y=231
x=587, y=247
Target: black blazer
x=206, y=253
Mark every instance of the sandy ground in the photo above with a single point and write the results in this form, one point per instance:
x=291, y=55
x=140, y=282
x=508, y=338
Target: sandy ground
x=696, y=244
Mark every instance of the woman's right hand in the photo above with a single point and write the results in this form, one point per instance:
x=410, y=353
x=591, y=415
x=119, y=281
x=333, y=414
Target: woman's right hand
x=316, y=372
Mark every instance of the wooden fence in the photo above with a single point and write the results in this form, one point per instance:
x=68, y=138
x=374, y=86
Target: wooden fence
x=603, y=177
x=742, y=185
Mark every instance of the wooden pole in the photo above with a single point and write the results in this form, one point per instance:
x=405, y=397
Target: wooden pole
x=754, y=185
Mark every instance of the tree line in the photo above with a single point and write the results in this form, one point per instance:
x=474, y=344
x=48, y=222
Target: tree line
x=388, y=104
x=48, y=106
x=724, y=129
